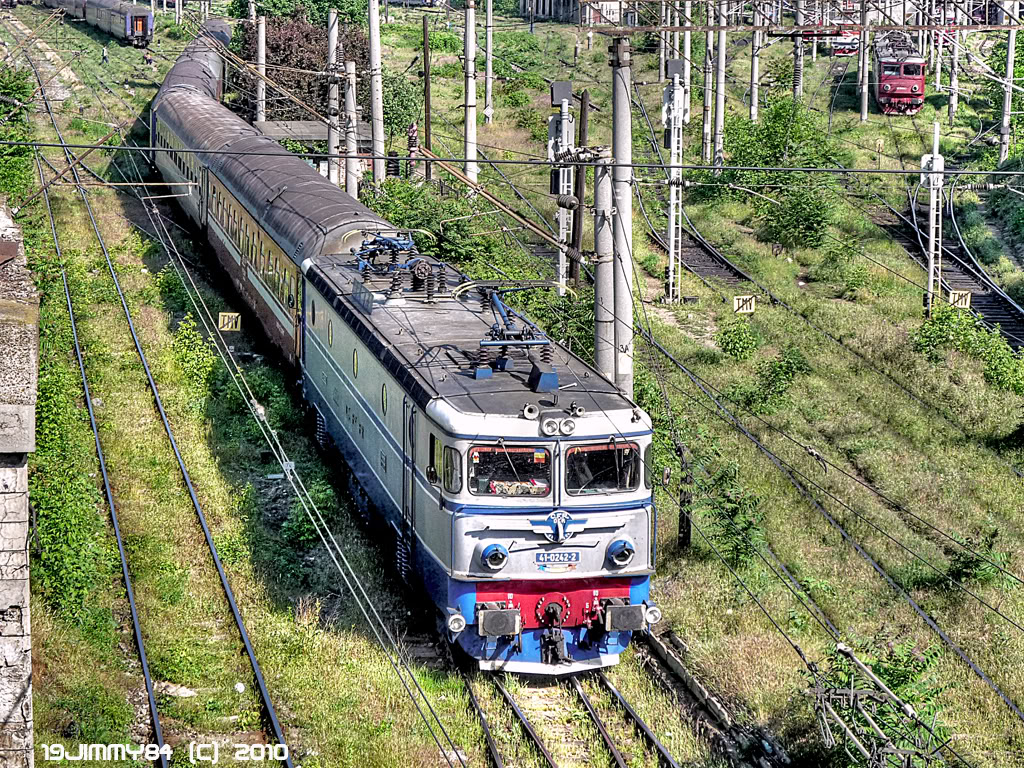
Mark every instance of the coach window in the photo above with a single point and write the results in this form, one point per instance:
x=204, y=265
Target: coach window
x=452, y=470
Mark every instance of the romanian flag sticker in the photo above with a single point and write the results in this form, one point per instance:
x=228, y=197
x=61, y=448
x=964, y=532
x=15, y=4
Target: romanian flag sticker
x=539, y=455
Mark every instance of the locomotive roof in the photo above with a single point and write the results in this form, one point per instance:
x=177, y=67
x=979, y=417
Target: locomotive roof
x=432, y=348
x=896, y=45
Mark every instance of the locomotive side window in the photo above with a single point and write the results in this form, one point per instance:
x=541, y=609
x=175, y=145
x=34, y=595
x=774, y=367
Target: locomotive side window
x=912, y=70
x=434, y=459
x=648, y=465
x=498, y=470
x=452, y=470
x=312, y=313
x=603, y=468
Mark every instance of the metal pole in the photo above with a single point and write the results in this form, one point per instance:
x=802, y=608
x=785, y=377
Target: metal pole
x=376, y=94
x=351, y=138
x=674, y=125
x=469, y=132
x=261, y=68
x=1009, y=7
x=622, y=197
x=489, y=64
x=755, y=63
x=675, y=35
x=426, y=94
x=937, y=40
x=565, y=187
x=580, y=190
x=604, y=268
x=719, y=158
x=815, y=10
x=333, y=134
x=709, y=48
x=865, y=42
x=934, y=225
x=798, y=54
x=687, y=16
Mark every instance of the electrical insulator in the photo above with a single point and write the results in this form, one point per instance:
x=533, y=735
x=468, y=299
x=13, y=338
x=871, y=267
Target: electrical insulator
x=567, y=201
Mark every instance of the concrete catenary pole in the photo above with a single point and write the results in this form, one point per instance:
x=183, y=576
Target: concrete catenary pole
x=333, y=107
x=252, y=10
x=937, y=40
x=723, y=20
x=177, y=12
x=376, y=94
x=816, y=21
x=604, y=268
x=261, y=68
x=622, y=198
x=1009, y=8
x=675, y=35
x=687, y=45
x=662, y=41
x=954, y=66
x=428, y=167
x=798, y=54
x=469, y=132
x=489, y=64
x=709, y=90
x=865, y=59
x=351, y=137
x=755, y=62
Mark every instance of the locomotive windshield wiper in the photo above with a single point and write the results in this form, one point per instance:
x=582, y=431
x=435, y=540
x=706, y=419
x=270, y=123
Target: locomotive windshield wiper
x=501, y=442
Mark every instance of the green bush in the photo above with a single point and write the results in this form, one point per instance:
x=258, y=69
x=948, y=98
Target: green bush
x=803, y=217
x=533, y=121
x=514, y=98
x=842, y=268
x=194, y=355
x=95, y=715
x=770, y=386
x=734, y=513
x=442, y=42
x=981, y=568
x=299, y=530
x=450, y=69
x=736, y=338
x=950, y=328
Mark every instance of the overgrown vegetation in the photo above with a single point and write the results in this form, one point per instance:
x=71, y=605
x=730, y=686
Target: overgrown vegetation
x=952, y=329
x=16, y=93
x=772, y=380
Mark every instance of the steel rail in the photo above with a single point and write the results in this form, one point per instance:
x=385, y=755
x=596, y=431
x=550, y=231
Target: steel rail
x=492, y=747
x=108, y=492
x=524, y=722
x=648, y=734
x=229, y=594
x=605, y=736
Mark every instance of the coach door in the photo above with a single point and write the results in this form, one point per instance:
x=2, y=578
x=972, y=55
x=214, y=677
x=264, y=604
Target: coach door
x=139, y=25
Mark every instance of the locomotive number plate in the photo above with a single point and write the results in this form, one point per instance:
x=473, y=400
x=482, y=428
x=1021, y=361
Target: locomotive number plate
x=545, y=558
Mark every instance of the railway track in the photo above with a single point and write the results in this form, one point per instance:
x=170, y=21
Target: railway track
x=273, y=729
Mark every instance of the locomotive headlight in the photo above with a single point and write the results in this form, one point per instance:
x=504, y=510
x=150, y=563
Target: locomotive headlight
x=457, y=623
x=652, y=614
x=494, y=556
x=886, y=87
x=549, y=427
x=914, y=89
x=568, y=426
x=621, y=552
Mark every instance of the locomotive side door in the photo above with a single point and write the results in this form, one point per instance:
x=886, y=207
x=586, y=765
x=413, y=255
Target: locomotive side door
x=408, y=467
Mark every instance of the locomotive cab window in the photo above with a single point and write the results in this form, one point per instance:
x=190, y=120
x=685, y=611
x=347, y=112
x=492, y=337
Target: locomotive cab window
x=890, y=69
x=452, y=470
x=912, y=70
x=500, y=470
x=604, y=468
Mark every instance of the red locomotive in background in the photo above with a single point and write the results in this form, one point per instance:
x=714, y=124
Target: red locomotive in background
x=897, y=74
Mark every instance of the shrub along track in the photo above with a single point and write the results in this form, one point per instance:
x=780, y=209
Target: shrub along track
x=273, y=727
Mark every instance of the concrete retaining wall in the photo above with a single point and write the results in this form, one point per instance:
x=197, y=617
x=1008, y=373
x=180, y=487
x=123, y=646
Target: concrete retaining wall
x=19, y=363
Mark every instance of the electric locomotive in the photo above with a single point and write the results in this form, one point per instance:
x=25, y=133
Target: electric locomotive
x=513, y=479
x=125, y=21
x=897, y=73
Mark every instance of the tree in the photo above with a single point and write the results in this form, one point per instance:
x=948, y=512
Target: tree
x=301, y=48
x=401, y=103
x=313, y=11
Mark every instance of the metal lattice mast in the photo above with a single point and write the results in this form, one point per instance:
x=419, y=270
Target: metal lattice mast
x=932, y=167
x=561, y=141
x=672, y=120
